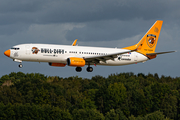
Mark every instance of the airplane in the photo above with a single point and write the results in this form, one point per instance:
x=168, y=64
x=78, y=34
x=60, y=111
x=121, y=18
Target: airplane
x=79, y=56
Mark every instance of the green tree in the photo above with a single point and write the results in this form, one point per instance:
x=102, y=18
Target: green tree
x=116, y=95
x=84, y=114
x=87, y=104
x=42, y=96
x=115, y=115
x=155, y=116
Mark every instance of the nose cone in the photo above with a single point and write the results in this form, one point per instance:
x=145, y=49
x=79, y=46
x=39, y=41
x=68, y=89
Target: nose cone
x=7, y=53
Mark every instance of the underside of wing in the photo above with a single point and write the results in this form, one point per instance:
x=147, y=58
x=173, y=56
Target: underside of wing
x=96, y=59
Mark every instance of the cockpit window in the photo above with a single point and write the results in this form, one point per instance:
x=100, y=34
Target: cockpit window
x=15, y=48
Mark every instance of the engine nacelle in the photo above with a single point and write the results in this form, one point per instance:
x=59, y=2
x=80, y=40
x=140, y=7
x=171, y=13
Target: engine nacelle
x=57, y=64
x=76, y=62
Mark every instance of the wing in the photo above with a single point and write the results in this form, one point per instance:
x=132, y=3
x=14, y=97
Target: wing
x=96, y=59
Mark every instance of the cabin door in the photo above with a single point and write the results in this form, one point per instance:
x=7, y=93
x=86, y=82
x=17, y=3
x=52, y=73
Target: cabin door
x=28, y=50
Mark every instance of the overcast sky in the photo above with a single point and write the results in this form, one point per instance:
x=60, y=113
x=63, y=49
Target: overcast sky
x=104, y=23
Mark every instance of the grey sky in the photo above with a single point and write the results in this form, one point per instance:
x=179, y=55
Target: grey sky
x=105, y=23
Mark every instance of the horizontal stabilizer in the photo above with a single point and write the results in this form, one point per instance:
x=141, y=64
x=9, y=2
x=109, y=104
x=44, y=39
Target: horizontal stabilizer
x=158, y=53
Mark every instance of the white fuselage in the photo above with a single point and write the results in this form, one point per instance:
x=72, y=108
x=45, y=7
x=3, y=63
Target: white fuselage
x=59, y=54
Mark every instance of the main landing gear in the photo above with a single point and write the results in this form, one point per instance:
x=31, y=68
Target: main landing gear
x=89, y=69
x=78, y=69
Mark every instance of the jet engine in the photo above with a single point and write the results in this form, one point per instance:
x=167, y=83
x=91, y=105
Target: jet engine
x=76, y=62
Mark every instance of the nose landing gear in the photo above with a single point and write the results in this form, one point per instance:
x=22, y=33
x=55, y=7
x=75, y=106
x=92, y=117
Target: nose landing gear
x=20, y=65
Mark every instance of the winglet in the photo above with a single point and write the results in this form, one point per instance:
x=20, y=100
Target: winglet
x=74, y=43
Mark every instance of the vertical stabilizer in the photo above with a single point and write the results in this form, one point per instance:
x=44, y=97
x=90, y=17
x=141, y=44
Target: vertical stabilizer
x=149, y=41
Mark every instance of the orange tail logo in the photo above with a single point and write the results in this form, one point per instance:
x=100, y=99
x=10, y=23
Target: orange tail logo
x=151, y=40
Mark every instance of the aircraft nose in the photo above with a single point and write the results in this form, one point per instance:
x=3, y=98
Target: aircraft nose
x=7, y=53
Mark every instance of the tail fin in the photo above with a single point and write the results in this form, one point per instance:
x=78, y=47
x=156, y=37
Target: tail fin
x=149, y=41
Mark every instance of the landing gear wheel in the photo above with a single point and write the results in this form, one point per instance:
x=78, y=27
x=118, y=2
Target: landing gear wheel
x=78, y=69
x=89, y=69
x=20, y=65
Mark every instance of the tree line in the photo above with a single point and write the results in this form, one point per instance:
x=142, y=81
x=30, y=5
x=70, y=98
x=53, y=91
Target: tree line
x=123, y=96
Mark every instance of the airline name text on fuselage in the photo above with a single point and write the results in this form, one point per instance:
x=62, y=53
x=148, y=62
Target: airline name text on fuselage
x=55, y=51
